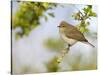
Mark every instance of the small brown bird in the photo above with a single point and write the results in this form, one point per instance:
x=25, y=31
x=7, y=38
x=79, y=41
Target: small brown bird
x=70, y=34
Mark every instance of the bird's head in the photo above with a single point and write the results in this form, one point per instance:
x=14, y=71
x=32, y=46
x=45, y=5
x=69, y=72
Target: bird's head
x=62, y=26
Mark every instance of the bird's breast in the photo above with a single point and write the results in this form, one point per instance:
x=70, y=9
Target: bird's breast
x=68, y=40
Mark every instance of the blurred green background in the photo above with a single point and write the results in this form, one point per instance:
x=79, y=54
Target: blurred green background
x=36, y=42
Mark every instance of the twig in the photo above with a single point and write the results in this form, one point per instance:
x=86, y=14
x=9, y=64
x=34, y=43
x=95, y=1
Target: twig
x=63, y=53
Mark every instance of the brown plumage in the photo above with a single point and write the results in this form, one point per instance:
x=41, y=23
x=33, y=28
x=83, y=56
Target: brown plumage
x=71, y=32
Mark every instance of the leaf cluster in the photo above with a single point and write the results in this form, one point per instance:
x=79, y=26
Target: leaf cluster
x=28, y=15
x=84, y=16
x=52, y=65
x=54, y=44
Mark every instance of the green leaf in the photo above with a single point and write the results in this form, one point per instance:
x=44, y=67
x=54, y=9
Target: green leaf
x=17, y=36
x=87, y=10
x=90, y=6
x=82, y=29
x=93, y=14
x=46, y=18
x=52, y=65
x=26, y=31
x=87, y=23
x=51, y=14
x=46, y=5
x=86, y=30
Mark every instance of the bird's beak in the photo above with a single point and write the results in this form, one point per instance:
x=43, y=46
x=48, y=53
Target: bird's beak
x=58, y=26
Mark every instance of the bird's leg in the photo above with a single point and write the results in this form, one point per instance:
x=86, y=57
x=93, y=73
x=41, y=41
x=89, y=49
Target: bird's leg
x=68, y=48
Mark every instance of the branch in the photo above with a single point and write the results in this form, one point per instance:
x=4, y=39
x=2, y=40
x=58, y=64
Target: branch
x=63, y=53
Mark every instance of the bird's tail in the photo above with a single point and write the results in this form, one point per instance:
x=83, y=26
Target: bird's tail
x=90, y=44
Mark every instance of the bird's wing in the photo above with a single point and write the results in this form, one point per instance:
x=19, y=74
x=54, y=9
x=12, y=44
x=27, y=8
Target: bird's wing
x=74, y=33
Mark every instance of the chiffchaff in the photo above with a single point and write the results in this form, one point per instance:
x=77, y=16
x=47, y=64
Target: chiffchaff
x=70, y=34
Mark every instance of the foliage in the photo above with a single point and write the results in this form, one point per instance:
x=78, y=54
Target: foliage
x=28, y=15
x=84, y=16
x=52, y=65
x=54, y=44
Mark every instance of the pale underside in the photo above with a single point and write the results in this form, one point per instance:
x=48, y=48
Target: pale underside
x=68, y=40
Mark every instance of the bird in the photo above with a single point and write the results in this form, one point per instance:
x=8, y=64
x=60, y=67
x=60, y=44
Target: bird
x=71, y=35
